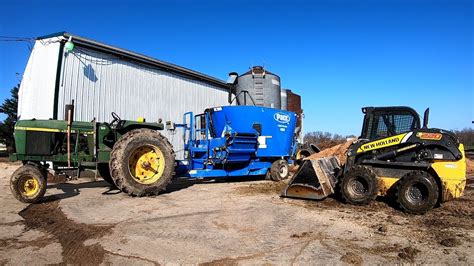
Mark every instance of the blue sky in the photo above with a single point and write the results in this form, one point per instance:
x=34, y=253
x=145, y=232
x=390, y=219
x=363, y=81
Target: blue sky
x=338, y=55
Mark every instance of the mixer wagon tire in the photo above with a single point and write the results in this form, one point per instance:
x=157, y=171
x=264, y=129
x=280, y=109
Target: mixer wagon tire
x=104, y=172
x=279, y=170
x=417, y=192
x=142, y=162
x=28, y=183
x=358, y=186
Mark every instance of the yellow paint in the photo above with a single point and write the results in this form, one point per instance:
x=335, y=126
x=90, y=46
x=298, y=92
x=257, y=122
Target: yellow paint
x=452, y=176
x=30, y=187
x=38, y=129
x=406, y=148
x=382, y=143
x=385, y=183
x=147, y=164
x=42, y=129
x=298, y=155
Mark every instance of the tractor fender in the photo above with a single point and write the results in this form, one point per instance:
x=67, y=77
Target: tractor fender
x=131, y=126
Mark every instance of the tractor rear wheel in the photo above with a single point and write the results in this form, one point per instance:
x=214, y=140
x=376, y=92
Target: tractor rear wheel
x=104, y=172
x=417, y=192
x=28, y=183
x=279, y=170
x=358, y=185
x=142, y=162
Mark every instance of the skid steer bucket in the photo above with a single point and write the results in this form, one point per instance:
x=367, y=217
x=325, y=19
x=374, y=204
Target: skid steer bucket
x=315, y=179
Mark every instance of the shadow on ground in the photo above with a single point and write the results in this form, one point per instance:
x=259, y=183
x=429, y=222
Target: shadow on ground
x=73, y=189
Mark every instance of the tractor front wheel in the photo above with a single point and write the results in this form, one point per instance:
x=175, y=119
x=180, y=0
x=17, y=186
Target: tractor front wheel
x=28, y=183
x=142, y=162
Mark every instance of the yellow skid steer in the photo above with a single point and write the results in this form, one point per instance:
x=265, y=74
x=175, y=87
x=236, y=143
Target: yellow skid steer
x=394, y=156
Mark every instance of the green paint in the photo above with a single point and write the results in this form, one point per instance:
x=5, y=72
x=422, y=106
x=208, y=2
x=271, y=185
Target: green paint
x=69, y=46
x=94, y=145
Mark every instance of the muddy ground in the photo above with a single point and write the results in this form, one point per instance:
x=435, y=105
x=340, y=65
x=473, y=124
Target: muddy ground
x=220, y=223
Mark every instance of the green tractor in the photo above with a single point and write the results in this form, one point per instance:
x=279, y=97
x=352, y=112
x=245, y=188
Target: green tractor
x=143, y=158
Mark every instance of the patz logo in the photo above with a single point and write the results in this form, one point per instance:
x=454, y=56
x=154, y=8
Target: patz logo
x=282, y=118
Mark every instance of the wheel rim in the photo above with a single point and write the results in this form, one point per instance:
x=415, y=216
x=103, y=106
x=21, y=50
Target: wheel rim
x=358, y=187
x=416, y=194
x=29, y=186
x=146, y=164
x=283, y=170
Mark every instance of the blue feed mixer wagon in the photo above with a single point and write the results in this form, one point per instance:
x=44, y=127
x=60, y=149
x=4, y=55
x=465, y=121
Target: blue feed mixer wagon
x=237, y=141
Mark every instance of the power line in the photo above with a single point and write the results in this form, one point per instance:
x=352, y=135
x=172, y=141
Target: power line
x=15, y=40
x=15, y=37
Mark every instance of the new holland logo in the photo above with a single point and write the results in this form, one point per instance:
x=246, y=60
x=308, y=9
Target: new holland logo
x=282, y=118
x=378, y=144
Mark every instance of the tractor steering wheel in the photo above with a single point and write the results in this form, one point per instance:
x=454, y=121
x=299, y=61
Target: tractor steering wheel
x=115, y=119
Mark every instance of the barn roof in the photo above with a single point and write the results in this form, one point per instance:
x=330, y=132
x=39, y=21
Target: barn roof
x=95, y=45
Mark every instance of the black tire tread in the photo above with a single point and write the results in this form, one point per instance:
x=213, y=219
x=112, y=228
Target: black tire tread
x=415, y=174
x=275, y=170
x=104, y=172
x=355, y=170
x=117, y=153
x=32, y=170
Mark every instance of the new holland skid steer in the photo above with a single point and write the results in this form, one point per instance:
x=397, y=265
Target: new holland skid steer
x=394, y=156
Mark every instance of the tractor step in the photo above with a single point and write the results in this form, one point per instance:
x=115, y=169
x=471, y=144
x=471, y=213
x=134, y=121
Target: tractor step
x=315, y=179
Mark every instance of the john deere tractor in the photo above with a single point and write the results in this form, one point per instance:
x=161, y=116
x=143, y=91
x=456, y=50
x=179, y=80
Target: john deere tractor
x=142, y=159
x=394, y=156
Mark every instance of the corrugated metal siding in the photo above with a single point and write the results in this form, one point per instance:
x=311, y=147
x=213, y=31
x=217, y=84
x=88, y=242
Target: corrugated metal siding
x=101, y=83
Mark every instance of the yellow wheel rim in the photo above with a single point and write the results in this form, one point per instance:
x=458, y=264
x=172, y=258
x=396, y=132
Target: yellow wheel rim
x=146, y=164
x=29, y=186
x=298, y=155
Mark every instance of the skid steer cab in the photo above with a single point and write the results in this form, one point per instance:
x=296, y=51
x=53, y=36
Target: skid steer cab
x=233, y=141
x=395, y=156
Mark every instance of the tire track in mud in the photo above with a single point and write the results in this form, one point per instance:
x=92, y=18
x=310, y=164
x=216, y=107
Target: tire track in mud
x=49, y=218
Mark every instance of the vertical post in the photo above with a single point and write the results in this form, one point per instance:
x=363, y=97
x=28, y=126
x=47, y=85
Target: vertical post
x=68, y=138
x=69, y=124
x=208, y=131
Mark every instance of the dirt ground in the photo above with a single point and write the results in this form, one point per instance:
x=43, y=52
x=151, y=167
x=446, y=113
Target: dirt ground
x=340, y=151
x=221, y=223
x=469, y=166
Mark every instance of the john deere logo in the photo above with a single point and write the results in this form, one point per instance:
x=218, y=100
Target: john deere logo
x=282, y=118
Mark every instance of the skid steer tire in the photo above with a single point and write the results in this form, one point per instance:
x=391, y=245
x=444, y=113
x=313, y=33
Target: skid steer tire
x=28, y=183
x=142, y=162
x=417, y=192
x=104, y=172
x=358, y=186
x=279, y=170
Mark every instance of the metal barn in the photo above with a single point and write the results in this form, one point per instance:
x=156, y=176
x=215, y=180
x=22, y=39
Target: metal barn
x=102, y=79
